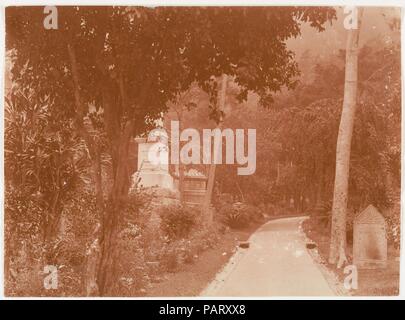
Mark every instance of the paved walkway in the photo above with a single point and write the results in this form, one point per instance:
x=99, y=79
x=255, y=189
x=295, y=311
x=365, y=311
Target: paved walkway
x=276, y=264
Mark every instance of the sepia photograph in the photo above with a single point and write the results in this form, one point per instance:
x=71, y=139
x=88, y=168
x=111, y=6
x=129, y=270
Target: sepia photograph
x=202, y=151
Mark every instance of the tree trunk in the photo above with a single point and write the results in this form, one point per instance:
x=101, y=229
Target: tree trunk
x=240, y=191
x=181, y=183
x=93, y=252
x=337, y=253
x=206, y=211
x=107, y=269
x=181, y=165
x=119, y=139
x=208, y=195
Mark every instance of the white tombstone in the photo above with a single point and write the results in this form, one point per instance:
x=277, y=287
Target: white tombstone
x=153, y=161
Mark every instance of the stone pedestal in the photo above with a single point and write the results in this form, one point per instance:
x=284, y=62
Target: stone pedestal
x=153, y=174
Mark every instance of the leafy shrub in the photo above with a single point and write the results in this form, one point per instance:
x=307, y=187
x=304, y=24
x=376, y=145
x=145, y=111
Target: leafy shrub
x=177, y=252
x=235, y=216
x=130, y=255
x=177, y=221
x=27, y=252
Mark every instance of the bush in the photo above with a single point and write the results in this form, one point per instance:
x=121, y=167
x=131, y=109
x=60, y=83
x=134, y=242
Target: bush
x=235, y=216
x=177, y=221
x=185, y=251
x=27, y=252
x=254, y=212
x=131, y=253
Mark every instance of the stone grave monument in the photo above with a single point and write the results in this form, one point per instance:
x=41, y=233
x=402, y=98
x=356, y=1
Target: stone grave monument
x=369, y=239
x=195, y=187
x=154, y=174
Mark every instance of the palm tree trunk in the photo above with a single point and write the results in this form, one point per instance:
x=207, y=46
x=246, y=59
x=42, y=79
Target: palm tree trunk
x=337, y=253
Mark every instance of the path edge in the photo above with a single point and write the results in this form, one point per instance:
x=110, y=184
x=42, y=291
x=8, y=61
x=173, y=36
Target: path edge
x=331, y=278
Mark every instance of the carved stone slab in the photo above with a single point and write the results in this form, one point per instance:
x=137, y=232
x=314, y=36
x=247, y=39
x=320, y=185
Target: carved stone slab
x=369, y=239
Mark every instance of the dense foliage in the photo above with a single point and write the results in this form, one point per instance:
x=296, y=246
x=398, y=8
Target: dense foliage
x=178, y=221
x=296, y=160
x=82, y=92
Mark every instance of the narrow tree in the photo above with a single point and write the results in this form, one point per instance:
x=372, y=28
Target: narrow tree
x=206, y=211
x=337, y=253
